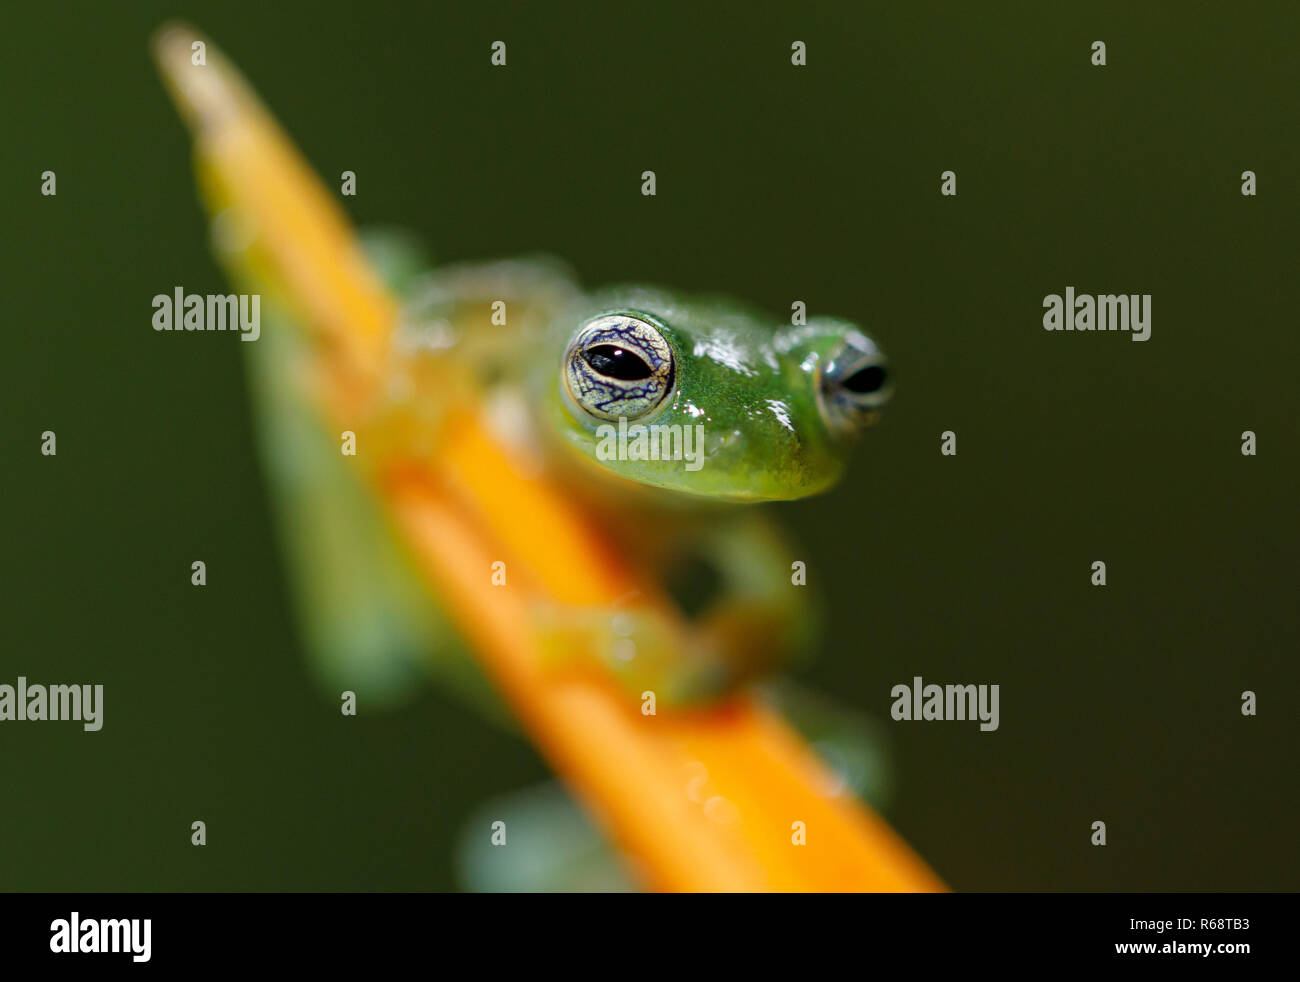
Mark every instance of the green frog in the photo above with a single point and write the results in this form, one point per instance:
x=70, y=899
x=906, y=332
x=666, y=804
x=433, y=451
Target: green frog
x=666, y=416
x=669, y=416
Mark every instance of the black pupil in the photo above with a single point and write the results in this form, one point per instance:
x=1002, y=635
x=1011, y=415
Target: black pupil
x=866, y=380
x=615, y=362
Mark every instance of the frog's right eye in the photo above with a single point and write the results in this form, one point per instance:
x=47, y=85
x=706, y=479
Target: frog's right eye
x=618, y=365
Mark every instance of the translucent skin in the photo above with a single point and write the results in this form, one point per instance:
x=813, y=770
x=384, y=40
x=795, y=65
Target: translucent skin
x=754, y=388
x=771, y=430
x=776, y=406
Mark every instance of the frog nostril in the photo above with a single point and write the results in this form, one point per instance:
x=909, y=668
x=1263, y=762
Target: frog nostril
x=866, y=380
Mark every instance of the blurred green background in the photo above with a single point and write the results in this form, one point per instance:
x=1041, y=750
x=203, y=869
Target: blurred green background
x=774, y=184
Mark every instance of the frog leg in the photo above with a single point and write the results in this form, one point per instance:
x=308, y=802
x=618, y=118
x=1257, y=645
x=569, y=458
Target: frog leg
x=538, y=840
x=748, y=619
x=759, y=615
x=854, y=744
x=645, y=652
x=363, y=613
x=364, y=616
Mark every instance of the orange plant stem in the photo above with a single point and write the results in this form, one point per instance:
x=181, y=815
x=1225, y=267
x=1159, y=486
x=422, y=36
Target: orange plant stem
x=727, y=799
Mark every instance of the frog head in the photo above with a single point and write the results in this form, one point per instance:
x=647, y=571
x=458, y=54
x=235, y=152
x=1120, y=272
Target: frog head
x=705, y=397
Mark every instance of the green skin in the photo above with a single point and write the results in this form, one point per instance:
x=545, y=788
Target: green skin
x=777, y=424
x=779, y=416
x=753, y=388
x=777, y=421
x=369, y=621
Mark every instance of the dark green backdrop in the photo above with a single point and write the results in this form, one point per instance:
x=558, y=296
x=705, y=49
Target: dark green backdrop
x=819, y=183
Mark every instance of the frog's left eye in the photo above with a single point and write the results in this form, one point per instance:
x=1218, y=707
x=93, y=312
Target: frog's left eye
x=855, y=383
x=618, y=365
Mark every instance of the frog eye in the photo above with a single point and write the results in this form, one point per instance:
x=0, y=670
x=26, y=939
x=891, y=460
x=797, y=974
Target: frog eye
x=618, y=366
x=855, y=384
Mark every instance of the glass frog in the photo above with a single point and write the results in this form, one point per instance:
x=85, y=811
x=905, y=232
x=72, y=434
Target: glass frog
x=603, y=453
x=670, y=417
x=667, y=416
